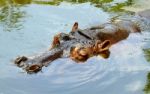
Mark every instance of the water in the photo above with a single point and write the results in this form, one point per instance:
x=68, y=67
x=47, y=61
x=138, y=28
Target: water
x=27, y=28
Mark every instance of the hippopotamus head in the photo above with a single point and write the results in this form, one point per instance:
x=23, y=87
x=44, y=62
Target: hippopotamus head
x=79, y=47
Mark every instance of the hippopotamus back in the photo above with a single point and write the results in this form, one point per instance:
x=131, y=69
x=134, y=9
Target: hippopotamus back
x=145, y=13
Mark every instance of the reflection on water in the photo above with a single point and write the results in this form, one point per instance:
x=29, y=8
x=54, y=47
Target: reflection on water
x=38, y=20
x=139, y=5
x=147, y=86
x=2, y=3
x=147, y=54
x=11, y=16
x=21, y=1
x=106, y=5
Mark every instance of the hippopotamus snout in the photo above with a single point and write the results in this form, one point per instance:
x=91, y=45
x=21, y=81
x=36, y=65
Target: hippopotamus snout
x=24, y=62
x=20, y=60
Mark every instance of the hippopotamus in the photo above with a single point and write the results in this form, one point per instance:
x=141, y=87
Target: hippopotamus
x=81, y=44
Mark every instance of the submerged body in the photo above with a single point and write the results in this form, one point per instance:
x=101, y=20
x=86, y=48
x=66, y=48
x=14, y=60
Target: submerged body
x=79, y=45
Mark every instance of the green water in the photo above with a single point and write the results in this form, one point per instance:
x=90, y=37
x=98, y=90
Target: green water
x=28, y=26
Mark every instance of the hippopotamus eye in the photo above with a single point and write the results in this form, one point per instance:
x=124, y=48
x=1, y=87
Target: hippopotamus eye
x=89, y=42
x=66, y=38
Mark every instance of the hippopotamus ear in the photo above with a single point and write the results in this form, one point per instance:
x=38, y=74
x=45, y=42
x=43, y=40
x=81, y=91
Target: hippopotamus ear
x=145, y=13
x=102, y=46
x=55, y=42
x=75, y=27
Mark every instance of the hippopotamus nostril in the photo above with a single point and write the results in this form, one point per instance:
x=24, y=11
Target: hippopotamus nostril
x=33, y=68
x=20, y=59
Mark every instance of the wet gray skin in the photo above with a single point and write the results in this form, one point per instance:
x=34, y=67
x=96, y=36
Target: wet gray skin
x=35, y=63
x=114, y=31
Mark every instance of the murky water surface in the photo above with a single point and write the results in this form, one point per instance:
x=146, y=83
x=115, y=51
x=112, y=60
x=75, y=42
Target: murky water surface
x=27, y=28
